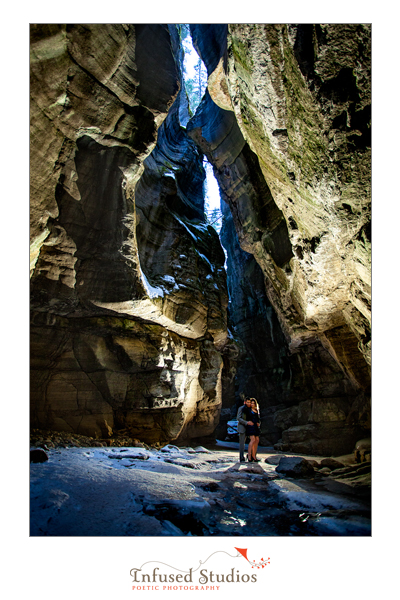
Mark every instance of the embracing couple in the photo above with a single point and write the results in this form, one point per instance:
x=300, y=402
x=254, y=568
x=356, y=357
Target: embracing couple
x=248, y=417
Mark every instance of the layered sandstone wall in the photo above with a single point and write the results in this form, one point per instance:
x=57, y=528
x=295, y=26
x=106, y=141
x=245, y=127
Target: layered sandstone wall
x=128, y=287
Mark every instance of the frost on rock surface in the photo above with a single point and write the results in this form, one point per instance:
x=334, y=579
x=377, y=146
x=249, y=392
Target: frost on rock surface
x=180, y=491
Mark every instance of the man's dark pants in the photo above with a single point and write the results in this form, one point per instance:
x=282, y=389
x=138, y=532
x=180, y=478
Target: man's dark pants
x=242, y=439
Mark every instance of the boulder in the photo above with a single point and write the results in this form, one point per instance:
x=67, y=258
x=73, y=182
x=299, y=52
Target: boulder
x=362, y=451
x=201, y=450
x=38, y=455
x=295, y=466
x=331, y=463
x=170, y=448
x=322, y=439
x=324, y=471
x=274, y=459
x=314, y=463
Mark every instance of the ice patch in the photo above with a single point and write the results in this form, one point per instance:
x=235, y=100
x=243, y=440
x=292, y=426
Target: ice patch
x=298, y=498
x=152, y=292
x=170, y=448
x=201, y=227
x=202, y=450
x=206, y=260
x=169, y=278
x=81, y=492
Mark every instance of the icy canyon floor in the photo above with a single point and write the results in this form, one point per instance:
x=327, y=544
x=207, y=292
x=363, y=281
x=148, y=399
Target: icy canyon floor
x=130, y=491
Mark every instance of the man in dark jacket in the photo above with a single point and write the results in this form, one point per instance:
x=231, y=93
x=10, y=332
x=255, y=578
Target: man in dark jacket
x=242, y=422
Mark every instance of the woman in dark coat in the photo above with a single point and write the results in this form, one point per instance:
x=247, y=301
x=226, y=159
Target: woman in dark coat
x=253, y=430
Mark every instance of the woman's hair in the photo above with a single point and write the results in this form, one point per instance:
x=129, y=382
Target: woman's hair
x=256, y=403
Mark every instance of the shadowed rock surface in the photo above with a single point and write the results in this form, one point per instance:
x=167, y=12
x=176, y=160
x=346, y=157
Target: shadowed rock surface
x=189, y=491
x=128, y=286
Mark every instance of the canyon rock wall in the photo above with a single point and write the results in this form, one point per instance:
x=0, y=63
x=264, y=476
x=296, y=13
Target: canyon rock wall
x=129, y=295
x=302, y=98
x=307, y=403
x=286, y=125
x=128, y=290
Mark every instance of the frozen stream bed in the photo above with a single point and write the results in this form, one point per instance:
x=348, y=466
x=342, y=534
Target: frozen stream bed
x=109, y=491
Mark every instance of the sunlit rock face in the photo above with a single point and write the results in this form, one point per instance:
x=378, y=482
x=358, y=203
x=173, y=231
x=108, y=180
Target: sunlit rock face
x=128, y=287
x=302, y=98
x=286, y=125
x=96, y=375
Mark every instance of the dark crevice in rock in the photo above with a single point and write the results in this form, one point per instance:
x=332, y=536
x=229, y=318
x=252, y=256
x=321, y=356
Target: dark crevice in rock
x=152, y=42
x=341, y=88
x=304, y=48
x=239, y=176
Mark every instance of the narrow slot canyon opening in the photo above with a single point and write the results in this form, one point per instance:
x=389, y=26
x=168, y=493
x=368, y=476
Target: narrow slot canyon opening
x=212, y=205
x=195, y=81
x=180, y=152
x=194, y=70
x=252, y=322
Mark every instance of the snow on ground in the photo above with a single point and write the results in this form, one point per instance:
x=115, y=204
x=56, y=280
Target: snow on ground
x=301, y=497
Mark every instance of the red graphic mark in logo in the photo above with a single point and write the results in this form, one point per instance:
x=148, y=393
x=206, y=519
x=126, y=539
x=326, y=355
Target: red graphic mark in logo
x=262, y=563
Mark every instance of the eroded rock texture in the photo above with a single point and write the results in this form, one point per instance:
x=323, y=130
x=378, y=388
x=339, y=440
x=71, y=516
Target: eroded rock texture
x=302, y=98
x=286, y=125
x=129, y=292
x=128, y=286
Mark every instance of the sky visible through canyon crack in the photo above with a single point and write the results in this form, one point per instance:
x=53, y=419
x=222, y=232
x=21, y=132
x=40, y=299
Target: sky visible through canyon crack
x=212, y=196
